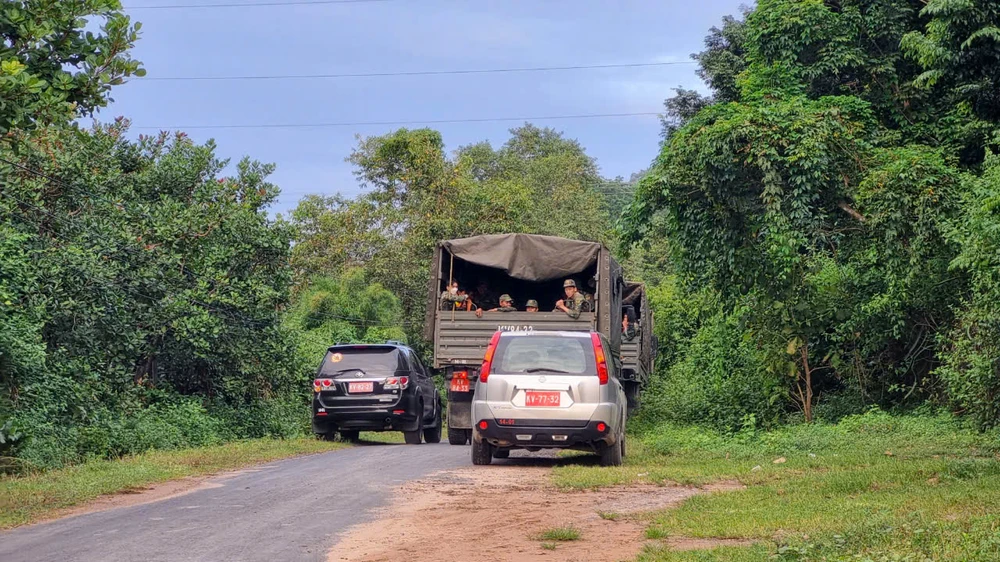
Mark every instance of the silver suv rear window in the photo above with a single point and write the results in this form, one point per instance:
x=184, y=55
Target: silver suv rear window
x=573, y=355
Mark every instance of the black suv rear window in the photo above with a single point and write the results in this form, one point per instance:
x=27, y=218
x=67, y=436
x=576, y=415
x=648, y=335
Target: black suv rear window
x=372, y=359
x=524, y=353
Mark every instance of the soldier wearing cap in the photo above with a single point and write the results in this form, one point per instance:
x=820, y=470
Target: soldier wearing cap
x=531, y=306
x=573, y=304
x=506, y=304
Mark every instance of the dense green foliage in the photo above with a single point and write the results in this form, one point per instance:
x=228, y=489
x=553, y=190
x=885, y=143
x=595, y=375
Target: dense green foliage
x=833, y=195
x=53, y=67
x=342, y=310
x=133, y=272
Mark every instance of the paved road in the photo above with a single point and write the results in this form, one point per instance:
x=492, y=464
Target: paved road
x=287, y=510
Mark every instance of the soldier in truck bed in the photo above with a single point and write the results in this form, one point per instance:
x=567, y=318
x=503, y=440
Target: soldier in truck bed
x=455, y=299
x=484, y=296
x=506, y=305
x=574, y=303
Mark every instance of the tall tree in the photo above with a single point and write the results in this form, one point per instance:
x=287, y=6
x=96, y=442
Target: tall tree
x=820, y=196
x=54, y=67
x=139, y=272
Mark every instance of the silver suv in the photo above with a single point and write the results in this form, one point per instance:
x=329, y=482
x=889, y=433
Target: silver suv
x=548, y=390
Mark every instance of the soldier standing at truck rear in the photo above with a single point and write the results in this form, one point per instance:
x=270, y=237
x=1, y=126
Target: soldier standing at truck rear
x=573, y=304
x=628, y=328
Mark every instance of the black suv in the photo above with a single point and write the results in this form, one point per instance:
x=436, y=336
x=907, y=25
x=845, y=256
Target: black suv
x=375, y=387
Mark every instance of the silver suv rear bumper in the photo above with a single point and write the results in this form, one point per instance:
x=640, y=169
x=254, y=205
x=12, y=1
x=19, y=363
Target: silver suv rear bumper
x=543, y=434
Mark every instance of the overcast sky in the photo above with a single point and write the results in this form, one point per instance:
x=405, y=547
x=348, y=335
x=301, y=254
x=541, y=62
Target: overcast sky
x=404, y=36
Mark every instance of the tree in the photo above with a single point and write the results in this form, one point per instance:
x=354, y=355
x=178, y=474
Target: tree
x=958, y=49
x=416, y=195
x=820, y=195
x=723, y=59
x=134, y=273
x=347, y=308
x=52, y=68
x=971, y=370
x=680, y=109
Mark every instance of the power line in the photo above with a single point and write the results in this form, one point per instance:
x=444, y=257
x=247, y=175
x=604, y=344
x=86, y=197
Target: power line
x=403, y=123
x=251, y=4
x=412, y=73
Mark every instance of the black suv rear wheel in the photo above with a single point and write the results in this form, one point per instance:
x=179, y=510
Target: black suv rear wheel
x=415, y=437
x=433, y=434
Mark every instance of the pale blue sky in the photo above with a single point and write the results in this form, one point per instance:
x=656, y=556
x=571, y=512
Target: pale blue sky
x=410, y=35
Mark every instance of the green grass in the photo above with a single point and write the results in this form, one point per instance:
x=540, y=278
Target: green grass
x=873, y=488
x=609, y=515
x=382, y=437
x=560, y=534
x=548, y=546
x=30, y=498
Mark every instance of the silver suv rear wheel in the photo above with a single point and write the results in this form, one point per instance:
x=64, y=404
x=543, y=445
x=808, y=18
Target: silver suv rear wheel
x=482, y=452
x=611, y=455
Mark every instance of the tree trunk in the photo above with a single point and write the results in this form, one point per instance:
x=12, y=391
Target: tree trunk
x=808, y=398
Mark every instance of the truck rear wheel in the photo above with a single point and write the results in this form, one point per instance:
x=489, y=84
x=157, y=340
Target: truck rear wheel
x=433, y=434
x=415, y=437
x=458, y=436
x=632, y=395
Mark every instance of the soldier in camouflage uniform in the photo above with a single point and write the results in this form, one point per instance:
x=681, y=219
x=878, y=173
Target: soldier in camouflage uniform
x=506, y=304
x=454, y=299
x=484, y=296
x=531, y=306
x=573, y=304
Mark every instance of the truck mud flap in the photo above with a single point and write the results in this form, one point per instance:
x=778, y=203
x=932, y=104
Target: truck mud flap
x=459, y=415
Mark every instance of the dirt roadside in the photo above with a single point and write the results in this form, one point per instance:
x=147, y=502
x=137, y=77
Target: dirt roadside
x=497, y=513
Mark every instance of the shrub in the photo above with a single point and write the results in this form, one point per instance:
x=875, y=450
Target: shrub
x=108, y=434
x=719, y=381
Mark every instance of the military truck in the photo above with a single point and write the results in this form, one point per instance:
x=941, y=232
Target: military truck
x=639, y=351
x=526, y=267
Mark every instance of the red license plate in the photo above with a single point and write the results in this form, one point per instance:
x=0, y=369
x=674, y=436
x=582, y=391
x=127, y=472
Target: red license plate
x=543, y=399
x=459, y=385
x=360, y=387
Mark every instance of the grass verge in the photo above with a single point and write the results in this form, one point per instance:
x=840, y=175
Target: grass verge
x=31, y=498
x=873, y=488
x=560, y=534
